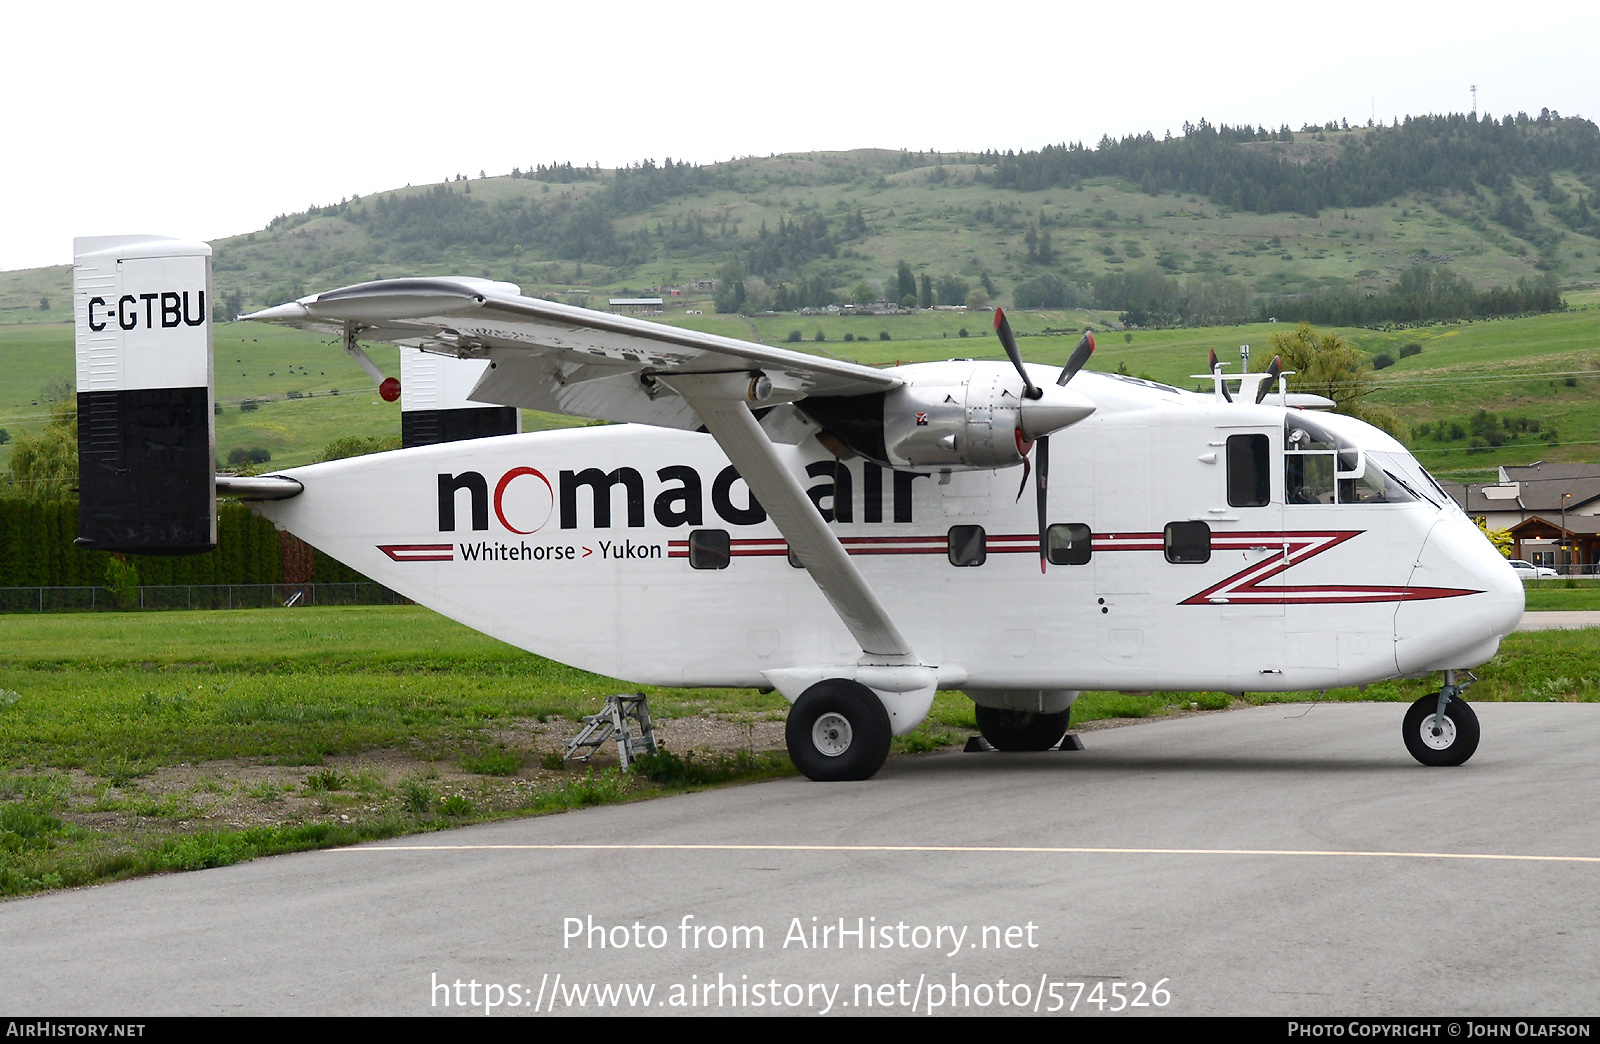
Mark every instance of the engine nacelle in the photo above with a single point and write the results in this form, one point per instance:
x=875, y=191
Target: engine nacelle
x=958, y=426
x=960, y=417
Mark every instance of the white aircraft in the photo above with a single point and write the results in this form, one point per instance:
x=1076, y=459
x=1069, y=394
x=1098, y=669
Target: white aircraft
x=852, y=537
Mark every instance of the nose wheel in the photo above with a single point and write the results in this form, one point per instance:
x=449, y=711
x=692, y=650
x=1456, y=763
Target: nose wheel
x=1440, y=729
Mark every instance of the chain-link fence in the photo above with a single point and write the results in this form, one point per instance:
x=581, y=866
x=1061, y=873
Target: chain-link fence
x=193, y=596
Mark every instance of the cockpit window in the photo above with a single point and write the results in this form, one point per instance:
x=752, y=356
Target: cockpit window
x=1403, y=468
x=1312, y=456
x=1321, y=466
x=1375, y=486
x=1308, y=478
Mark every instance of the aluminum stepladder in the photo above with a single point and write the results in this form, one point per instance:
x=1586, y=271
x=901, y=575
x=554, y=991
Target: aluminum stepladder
x=613, y=721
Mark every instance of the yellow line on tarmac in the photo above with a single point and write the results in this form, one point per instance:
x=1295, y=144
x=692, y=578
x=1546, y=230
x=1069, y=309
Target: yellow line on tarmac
x=1026, y=849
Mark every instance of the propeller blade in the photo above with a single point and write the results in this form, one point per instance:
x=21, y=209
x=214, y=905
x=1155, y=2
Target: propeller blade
x=1043, y=487
x=1009, y=341
x=1214, y=366
x=1023, y=446
x=1274, y=369
x=1080, y=355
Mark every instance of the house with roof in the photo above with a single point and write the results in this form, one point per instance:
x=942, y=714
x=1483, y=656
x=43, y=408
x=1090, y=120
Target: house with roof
x=1551, y=508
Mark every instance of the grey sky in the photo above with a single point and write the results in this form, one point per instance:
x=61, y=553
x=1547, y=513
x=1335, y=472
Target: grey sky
x=206, y=120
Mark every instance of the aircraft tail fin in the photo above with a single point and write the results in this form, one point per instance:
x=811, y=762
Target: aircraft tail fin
x=146, y=433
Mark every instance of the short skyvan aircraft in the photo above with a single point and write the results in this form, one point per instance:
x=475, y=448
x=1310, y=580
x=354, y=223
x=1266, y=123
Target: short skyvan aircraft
x=853, y=537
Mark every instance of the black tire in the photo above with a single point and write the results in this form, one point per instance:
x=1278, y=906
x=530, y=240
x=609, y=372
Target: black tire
x=838, y=730
x=1457, y=739
x=1022, y=730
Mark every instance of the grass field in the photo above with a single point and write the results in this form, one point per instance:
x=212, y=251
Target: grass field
x=140, y=742
x=1568, y=593
x=1540, y=367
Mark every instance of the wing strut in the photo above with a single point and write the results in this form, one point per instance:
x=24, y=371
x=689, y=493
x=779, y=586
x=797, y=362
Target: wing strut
x=721, y=400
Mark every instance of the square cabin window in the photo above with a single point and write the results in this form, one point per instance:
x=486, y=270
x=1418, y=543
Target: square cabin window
x=1249, y=471
x=709, y=549
x=1188, y=543
x=968, y=546
x=1070, y=543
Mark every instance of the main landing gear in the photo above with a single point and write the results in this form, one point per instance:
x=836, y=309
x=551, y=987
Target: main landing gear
x=1440, y=729
x=837, y=730
x=1021, y=730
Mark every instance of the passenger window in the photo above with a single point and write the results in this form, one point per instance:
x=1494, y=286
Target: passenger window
x=1188, y=543
x=1068, y=544
x=709, y=549
x=1249, y=471
x=968, y=546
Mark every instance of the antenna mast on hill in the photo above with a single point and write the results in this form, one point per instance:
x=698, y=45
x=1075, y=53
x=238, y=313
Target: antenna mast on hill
x=1474, y=99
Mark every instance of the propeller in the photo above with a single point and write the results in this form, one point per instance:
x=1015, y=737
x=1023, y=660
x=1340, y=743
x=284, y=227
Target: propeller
x=1075, y=362
x=1079, y=356
x=1214, y=366
x=1009, y=341
x=1274, y=370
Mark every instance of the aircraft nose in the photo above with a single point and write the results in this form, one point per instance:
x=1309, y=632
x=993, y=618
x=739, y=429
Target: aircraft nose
x=1461, y=600
x=1508, y=598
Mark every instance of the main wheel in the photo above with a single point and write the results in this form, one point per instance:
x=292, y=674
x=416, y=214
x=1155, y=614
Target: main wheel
x=1450, y=741
x=837, y=730
x=1022, y=730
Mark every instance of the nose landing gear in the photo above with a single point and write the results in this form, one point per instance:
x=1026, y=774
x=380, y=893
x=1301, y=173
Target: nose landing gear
x=1440, y=729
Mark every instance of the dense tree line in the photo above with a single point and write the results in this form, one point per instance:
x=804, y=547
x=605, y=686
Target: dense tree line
x=1423, y=293
x=1244, y=168
x=1148, y=296
x=788, y=249
x=36, y=550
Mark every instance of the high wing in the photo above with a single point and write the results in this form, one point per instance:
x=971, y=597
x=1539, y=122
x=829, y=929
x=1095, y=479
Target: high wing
x=554, y=357
x=562, y=359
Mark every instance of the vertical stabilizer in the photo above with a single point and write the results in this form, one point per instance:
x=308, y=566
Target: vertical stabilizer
x=434, y=407
x=146, y=436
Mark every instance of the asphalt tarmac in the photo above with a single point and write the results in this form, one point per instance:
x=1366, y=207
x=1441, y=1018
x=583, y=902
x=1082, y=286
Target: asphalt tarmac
x=1285, y=860
x=1560, y=620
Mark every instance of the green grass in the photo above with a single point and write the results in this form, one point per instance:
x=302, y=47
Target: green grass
x=96, y=709
x=143, y=689
x=1464, y=367
x=1567, y=593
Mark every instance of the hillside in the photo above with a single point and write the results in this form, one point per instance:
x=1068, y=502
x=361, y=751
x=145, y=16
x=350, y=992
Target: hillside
x=1217, y=223
x=1192, y=233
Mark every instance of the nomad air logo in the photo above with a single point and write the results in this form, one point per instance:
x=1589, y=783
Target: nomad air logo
x=524, y=499
x=166, y=310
